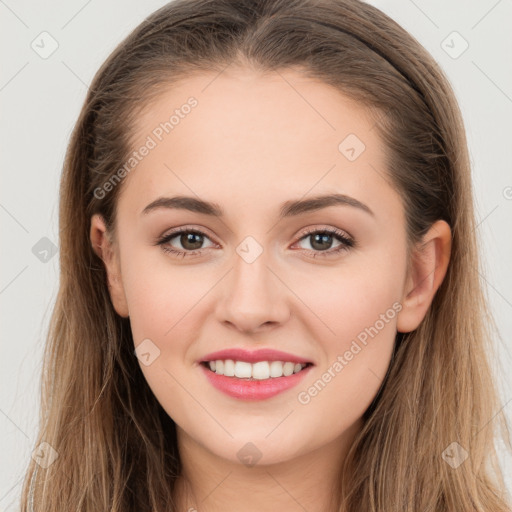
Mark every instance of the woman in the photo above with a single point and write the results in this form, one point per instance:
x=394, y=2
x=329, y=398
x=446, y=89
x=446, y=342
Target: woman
x=269, y=275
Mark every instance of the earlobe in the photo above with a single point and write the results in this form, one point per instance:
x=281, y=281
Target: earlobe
x=105, y=250
x=427, y=271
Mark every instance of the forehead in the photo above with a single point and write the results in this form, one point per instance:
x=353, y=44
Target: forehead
x=256, y=135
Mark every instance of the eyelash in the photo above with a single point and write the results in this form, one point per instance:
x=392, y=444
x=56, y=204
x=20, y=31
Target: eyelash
x=346, y=243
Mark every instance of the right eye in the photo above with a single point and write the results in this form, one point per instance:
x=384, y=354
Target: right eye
x=189, y=239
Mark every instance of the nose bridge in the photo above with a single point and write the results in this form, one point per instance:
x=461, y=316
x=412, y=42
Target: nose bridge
x=252, y=295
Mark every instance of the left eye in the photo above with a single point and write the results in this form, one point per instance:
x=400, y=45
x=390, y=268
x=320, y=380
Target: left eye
x=320, y=239
x=191, y=241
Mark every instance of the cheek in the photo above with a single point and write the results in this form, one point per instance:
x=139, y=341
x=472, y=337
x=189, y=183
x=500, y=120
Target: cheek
x=355, y=295
x=360, y=307
x=159, y=289
x=162, y=301
x=161, y=298
x=342, y=391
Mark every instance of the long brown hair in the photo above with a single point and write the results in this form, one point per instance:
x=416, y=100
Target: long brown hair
x=116, y=447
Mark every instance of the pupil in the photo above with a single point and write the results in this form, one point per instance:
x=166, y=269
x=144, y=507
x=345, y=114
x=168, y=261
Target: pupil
x=188, y=238
x=324, y=238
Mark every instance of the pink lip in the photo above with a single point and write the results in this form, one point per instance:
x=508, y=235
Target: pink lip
x=246, y=389
x=253, y=356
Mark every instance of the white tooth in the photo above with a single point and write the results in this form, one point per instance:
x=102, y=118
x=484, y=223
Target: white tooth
x=261, y=370
x=276, y=369
x=288, y=369
x=229, y=368
x=243, y=370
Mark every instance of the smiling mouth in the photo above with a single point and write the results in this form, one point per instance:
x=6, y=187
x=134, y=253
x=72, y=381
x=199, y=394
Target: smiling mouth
x=261, y=370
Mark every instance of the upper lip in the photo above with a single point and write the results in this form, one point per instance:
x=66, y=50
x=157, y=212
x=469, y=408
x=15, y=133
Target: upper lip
x=253, y=356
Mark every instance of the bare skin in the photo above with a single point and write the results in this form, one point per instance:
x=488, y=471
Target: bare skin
x=251, y=144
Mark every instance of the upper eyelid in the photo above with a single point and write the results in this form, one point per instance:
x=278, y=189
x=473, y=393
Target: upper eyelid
x=332, y=230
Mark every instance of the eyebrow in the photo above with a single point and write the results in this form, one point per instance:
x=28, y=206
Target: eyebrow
x=288, y=209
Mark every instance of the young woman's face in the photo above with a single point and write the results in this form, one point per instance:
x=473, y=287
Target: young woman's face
x=254, y=145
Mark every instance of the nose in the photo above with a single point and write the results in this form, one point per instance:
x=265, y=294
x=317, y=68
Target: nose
x=254, y=298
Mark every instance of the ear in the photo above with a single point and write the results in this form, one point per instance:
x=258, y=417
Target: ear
x=106, y=250
x=428, y=266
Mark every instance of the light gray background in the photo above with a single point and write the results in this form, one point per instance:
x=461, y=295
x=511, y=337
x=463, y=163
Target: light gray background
x=41, y=99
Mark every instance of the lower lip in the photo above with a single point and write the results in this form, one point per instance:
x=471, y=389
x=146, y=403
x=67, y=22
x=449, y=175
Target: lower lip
x=244, y=389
